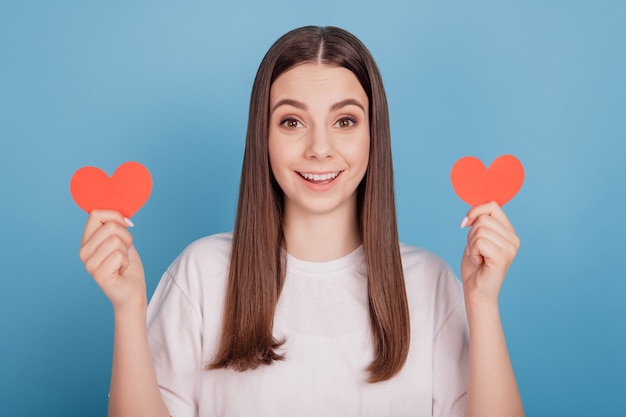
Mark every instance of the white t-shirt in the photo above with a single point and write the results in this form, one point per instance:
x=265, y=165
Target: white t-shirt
x=323, y=315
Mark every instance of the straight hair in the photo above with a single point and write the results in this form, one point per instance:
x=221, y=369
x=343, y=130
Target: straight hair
x=257, y=268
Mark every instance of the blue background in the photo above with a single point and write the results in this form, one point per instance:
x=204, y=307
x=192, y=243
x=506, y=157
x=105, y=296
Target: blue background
x=167, y=84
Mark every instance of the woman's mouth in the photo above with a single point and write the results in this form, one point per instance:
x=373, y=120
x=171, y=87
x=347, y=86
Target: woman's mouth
x=324, y=178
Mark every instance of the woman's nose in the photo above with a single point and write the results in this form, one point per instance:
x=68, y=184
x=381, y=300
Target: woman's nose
x=319, y=144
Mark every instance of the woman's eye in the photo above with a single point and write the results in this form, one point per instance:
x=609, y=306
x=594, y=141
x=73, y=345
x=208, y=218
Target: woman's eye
x=345, y=122
x=290, y=123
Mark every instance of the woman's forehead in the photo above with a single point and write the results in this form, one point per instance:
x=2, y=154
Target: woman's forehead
x=317, y=81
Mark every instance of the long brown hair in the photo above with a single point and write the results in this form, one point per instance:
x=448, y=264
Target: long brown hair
x=257, y=269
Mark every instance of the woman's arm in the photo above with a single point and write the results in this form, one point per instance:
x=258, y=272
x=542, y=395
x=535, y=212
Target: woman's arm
x=492, y=246
x=134, y=388
x=108, y=255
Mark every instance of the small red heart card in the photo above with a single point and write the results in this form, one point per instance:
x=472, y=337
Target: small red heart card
x=126, y=190
x=476, y=184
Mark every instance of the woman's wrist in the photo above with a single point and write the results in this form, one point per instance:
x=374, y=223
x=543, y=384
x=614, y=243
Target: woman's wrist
x=130, y=311
x=480, y=305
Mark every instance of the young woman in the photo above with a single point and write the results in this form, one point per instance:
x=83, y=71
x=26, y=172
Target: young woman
x=311, y=307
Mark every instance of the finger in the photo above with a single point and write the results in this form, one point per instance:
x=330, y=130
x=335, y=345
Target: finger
x=97, y=218
x=484, y=251
x=125, y=263
x=492, y=247
x=112, y=244
x=491, y=209
x=130, y=260
x=474, y=259
x=111, y=267
x=488, y=224
x=486, y=233
x=101, y=234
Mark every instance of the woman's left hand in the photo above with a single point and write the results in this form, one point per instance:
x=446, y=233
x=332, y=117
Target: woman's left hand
x=491, y=247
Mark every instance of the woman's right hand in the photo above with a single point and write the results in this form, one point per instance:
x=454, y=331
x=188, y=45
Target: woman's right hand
x=109, y=256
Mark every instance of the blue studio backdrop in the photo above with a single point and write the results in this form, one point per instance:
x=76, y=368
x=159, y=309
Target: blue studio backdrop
x=167, y=84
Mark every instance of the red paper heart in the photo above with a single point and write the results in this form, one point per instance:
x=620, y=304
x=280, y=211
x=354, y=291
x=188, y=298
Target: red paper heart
x=476, y=184
x=126, y=191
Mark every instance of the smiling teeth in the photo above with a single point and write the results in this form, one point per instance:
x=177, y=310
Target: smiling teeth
x=319, y=177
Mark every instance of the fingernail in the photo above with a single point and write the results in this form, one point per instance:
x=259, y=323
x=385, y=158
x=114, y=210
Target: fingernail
x=472, y=261
x=464, y=222
x=128, y=222
x=467, y=251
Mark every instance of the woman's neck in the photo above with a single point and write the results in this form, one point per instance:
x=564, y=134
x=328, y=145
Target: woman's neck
x=321, y=237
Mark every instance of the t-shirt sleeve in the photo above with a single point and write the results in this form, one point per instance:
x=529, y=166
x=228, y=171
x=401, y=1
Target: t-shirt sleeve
x=450, y=352
x=175, y=337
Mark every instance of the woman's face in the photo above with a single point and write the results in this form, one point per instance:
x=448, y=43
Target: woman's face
x=319, y=138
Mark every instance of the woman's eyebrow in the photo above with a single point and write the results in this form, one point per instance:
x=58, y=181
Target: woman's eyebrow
x=347, y=102
x=302, y=106
x=288, y=102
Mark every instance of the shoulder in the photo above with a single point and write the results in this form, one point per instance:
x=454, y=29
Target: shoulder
x=415, y=254
x=203, y=262
x=211, y=252
x=430, y=281
x=416, y=260
x=219, y=244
